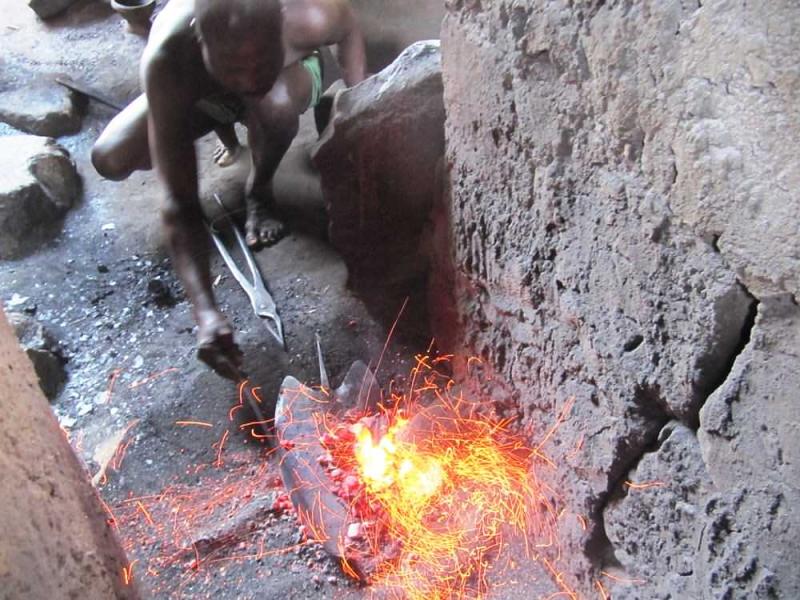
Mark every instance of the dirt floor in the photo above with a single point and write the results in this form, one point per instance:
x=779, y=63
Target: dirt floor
x=191, y=492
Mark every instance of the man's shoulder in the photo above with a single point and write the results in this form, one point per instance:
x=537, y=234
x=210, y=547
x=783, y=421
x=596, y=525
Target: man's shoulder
x=315, y=23
x=171, y=36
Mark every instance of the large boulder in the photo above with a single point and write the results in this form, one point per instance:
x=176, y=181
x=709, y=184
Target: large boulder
x=42, y=109
x=38, y=184
x=43, y=350
x=379, y=165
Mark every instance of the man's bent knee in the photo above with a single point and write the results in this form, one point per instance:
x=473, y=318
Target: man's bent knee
x=111, y=162
x=105, y=165
x=278, y=116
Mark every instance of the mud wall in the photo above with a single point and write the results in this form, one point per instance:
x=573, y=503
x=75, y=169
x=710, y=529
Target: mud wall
x=622, y=232
x=54, y=541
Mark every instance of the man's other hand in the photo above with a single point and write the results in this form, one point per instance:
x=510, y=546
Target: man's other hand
x=216, y=347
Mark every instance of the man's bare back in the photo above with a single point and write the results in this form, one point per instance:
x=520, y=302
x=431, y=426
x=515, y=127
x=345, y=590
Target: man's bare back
x=250, y=51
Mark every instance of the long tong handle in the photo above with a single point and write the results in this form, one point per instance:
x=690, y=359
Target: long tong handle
x=232, y=266
x=251, y=261
x=262, y=301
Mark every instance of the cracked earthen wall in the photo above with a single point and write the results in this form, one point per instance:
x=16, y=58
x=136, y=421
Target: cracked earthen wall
x=623, y=229
x=54, y=540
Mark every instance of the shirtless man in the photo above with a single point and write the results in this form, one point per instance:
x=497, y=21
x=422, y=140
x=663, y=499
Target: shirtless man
x=210, y=63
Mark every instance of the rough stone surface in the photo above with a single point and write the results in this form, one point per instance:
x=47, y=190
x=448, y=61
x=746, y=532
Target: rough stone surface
x=52, y=520
x=620, y=206
x=43, y=350
x=38, y=184
x=49, y=8
x=40, y=109
x=658, y=521
x=378, y=161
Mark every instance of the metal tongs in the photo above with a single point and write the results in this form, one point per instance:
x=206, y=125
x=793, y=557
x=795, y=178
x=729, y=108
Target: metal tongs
x=260, y=298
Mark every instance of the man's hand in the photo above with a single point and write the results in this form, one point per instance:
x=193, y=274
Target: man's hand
x=216, y=347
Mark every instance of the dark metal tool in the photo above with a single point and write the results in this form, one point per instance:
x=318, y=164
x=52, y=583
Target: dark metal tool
x=87, y=91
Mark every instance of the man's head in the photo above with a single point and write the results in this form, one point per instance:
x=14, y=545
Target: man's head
x=241, y=41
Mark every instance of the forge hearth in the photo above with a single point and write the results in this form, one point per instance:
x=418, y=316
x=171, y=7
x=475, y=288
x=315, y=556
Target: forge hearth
x=417, y=491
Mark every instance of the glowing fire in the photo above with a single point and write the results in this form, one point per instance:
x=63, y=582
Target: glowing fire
x=395, y=467
x=448, y=499
x=446, y=485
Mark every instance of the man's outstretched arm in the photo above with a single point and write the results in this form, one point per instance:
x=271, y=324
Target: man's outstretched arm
x=172, y=151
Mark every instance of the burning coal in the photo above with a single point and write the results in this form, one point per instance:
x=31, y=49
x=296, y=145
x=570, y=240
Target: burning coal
x=448, y=495
x=418, y=493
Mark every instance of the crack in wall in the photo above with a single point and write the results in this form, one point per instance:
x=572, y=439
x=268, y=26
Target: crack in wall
x=714, y=376
x=598, y=546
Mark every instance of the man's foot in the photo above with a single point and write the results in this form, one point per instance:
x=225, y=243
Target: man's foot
x=224, y=156
x=261, y=227
x=216, y=347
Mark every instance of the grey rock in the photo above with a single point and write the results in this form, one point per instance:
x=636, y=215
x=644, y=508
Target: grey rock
x=40, y=109
x=38, y=184
x=49, y=8
x=43, y=350
x=378, y=160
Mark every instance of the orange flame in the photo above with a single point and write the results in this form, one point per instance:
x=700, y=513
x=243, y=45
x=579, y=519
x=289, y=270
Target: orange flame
x=390, y=462
x=450, y=497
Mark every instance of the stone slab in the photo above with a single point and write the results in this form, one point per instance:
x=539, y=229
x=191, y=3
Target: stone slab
x=49, y=8
x=45, y=109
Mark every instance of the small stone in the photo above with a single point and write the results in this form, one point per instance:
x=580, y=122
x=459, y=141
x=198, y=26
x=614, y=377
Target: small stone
x=16, y=300
x=160, y=293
